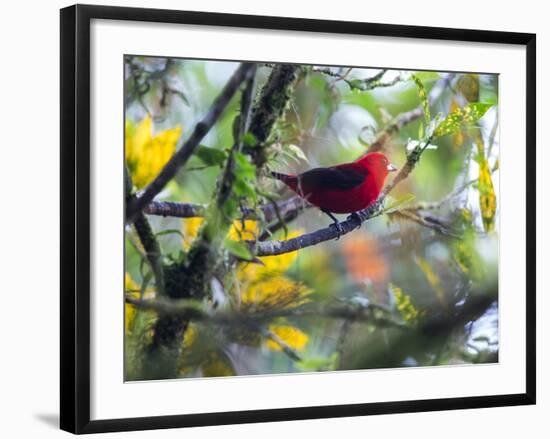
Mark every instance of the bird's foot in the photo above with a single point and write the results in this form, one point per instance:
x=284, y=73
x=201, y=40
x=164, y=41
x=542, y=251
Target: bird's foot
x=339, y=229
x=355, y=216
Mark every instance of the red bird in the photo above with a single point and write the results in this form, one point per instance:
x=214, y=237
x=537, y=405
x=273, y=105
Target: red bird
x=345, y=188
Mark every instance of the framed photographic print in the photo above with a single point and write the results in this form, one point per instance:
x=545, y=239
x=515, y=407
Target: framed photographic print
x=268, y=218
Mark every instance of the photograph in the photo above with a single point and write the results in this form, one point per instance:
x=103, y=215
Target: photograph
x=296, y=219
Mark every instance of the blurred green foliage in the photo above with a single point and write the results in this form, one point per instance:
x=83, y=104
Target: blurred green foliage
x=426, y=267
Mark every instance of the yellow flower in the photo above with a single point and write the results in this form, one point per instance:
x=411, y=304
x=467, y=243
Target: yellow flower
x=243, y=232
x=190, y=229
x=290, y=335
x=272, y=265
x=189, y=336
x=191, y=226
x=266, y=287
x=272, y=293
x=146, y=154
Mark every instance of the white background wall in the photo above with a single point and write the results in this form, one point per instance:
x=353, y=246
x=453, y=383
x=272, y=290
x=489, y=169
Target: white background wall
x=29, y=267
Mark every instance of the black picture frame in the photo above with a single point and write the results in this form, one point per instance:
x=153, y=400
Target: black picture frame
x=75, y=217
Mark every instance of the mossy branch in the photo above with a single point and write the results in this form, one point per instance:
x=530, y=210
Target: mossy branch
x=259, y=120
x=272, y=103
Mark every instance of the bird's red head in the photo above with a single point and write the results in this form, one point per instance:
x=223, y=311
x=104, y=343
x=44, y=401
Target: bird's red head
x=378, y=165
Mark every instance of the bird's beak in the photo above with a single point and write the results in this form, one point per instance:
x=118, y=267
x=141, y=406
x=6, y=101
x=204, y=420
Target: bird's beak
x=392, y=168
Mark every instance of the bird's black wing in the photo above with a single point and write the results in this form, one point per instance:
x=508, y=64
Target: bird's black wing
x=338, y=177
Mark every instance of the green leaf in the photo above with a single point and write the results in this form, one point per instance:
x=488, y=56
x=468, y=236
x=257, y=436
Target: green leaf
x=250, y=139
x=244, y=188
x=211, y=156
x=469, y=114
x=239, y=249
x=245, y=177
x=421, y=131
x=423, y=95
x=244, y=168
x=433, y=125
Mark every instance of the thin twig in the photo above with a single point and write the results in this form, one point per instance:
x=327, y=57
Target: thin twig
x=192, y=310
x=427, y=221
x=189, y=210
x=225, y=183
x=291, y=353
x=409, y=116
x=182, y=155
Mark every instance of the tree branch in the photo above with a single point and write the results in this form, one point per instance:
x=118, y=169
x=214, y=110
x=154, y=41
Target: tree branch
x=271, y=105
x=271, y=248
x=192, y=310
x=136, y=205
x=189, y=210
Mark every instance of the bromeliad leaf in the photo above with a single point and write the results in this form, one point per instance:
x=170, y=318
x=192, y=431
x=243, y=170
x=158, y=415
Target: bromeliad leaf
x=469, y=114
x=211, y=156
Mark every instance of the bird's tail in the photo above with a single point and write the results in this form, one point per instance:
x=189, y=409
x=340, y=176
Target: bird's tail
x=282, y=177
x=290, y=180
